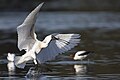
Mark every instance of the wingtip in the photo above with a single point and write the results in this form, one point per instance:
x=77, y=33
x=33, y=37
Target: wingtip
x=41, y=4
x=31, y=17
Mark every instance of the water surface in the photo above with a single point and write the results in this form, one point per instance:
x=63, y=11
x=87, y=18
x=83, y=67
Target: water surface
x=100, y=32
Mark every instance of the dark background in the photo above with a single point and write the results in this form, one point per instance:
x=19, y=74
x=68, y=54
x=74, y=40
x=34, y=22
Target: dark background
x=61, y=5
x=97, y=21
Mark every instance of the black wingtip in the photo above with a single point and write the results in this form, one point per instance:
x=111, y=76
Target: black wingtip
x=54, y=38
x=86, y=53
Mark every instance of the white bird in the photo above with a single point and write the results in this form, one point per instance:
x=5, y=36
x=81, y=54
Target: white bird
x=11, y=64
x=80, y=55
x=10, y=57
x=41, y=51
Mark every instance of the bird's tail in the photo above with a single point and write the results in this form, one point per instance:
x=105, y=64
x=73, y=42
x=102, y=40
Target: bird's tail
x=17, y=64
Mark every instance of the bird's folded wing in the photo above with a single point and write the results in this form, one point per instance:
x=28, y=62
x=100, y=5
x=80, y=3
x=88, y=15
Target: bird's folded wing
x=26, y=31
x=61, y=44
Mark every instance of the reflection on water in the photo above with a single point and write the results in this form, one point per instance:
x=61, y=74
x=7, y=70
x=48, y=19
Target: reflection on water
x=80, y=69
x=100, y=32
x=11, y=68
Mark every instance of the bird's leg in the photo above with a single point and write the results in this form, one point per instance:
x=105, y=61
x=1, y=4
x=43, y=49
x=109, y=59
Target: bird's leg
x=36, y=67
x=35, y=61
x=34, y=58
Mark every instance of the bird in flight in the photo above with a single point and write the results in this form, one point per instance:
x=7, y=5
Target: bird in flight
x=41, y=51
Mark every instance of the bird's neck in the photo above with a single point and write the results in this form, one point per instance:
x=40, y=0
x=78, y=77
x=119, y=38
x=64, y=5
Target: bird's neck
x=45, y=42
x=40, y=44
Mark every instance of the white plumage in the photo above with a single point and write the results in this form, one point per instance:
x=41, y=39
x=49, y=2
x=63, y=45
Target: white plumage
x=64, y=43
x=10, y=57
x=45, y=50
x=81, y=55
x=11, y=65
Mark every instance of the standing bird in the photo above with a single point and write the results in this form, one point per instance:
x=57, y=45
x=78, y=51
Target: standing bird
x=41, y=51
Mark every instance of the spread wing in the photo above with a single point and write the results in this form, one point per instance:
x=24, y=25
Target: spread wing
x=60, y=44
x=26, y=31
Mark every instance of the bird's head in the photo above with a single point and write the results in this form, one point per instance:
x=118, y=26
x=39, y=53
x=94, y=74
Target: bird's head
x=11, y=57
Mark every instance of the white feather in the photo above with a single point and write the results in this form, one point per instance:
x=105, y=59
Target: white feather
x=10, y=57
x=59, y=46
x=26, y=31
x=47, y=49
x=78, y=55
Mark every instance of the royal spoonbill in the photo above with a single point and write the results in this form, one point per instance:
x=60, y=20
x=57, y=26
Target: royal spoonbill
x=41, y=51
